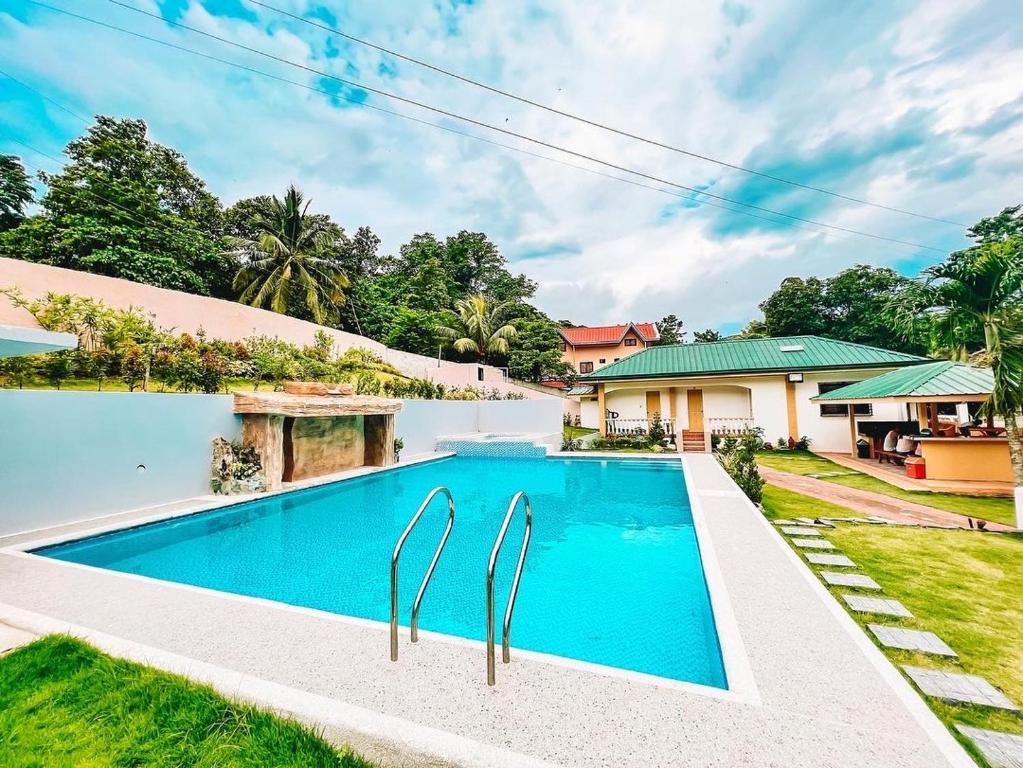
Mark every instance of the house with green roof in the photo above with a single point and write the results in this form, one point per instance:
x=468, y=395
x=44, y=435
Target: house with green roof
x=726, y=386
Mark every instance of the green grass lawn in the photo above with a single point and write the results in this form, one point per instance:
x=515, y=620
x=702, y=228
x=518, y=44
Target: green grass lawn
x=806, y=463
x=574, y=433
x=965, y=586
x=63, y=703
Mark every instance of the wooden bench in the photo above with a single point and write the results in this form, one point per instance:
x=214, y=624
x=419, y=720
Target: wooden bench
x=891, y=457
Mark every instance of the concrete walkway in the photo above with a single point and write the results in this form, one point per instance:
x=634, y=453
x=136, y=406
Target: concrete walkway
x=868, y=502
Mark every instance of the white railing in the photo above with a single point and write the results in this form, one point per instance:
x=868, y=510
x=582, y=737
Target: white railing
x=637, y=426
x=729, y=425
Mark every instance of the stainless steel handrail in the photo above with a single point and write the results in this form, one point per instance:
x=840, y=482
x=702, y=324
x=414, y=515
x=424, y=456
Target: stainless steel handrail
x=429, y=571
x=506, y=629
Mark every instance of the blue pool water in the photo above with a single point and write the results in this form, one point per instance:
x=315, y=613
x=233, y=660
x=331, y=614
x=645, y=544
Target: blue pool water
x=613, y=574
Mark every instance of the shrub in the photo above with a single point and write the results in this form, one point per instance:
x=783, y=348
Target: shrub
x=738, y=456
x=656, y=432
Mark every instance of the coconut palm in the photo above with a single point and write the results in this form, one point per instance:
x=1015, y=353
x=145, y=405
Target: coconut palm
x=478, y=328
x=973, y=304
x=288, y=260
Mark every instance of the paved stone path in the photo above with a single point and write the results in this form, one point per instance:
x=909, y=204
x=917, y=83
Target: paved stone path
x=800, y=530
x=911, y=640
x=813, y=543
x=857, y=580
x=882, y=606
x=835, y=561
x=1002, y=750
x=955, y=687
x=867, y=502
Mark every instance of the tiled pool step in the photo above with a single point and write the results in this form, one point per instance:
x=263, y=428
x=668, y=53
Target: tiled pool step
x=506, y=447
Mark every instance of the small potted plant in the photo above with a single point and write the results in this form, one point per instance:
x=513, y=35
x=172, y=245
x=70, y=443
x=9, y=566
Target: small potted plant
x=398, y=445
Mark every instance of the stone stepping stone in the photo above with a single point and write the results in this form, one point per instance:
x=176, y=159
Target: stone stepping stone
x=1002, y=750
x=800, y=530
x=787, y=522
x=836, y=561
x=882, y=606
x=857, y=580
x=952, y=686
x=910, y=640
x=813, y=543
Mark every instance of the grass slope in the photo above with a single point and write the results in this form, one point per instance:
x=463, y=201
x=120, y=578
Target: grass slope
x=63, y=703
x=806, y=463
x=964, y=586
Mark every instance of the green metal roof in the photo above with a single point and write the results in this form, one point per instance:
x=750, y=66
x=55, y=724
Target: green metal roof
x=786, y=353
x=941, y=379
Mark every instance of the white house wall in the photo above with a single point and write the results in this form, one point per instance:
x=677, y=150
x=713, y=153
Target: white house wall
x=736, y=396
x=830, y=434
x=589, y=414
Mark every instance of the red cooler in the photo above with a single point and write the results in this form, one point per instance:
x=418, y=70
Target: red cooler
x=916, y=468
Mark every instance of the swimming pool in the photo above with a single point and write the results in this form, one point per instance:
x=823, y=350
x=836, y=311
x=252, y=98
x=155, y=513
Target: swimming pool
x=613, y=575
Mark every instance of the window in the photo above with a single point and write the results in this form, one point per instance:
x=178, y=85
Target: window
x=585, y=367
x=630, y=342
x=479, y=374
x=602, y=360
x=617, y=359
x=829, y=409
x=564, y=346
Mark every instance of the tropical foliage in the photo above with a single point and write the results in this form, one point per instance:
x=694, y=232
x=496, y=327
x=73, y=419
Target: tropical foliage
x=287, y=259
x=478, y=328
x=15, y=192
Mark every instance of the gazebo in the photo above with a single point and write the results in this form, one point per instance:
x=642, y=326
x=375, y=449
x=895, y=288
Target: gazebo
x=949, y=452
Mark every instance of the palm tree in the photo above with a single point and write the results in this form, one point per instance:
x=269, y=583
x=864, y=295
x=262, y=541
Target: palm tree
x=973, y=305
x=287, y=259
x=478, y=328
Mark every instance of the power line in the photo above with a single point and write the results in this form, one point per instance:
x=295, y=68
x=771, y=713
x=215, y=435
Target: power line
x=472, y=121
x=592, y=123
x=433, y=125
x=41, y=95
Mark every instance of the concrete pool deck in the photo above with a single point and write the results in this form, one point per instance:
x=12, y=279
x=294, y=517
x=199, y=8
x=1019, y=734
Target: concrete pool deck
x=813, y=690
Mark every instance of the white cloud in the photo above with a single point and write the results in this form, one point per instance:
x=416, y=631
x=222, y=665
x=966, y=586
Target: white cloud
x=784, y=78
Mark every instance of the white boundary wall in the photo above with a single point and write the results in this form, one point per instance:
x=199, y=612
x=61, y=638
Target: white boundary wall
x=421, y=422
x=71, y=456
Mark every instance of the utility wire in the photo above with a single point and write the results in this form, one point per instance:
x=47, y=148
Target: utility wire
x=442, y=127
x=472, y=121
x=43, y=96
x=592, y=123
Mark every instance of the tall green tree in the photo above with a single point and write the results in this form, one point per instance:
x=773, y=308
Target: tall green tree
x=289, y=260
x=126, y=206
x=972, y=307
x=536, y=355
x=478, y=328
x=15, y=192
x=798, y=307
x=706, y=336
x=671, y=330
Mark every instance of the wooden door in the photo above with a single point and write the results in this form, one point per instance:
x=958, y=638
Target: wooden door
x=653, y=404
x=694, y=399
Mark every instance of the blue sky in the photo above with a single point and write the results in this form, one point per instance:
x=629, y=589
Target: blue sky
x=913, y=105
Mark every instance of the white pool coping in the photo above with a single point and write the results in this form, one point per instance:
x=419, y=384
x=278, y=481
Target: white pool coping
x=841, y=703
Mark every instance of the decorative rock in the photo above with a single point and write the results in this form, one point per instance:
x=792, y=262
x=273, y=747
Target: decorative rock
x=231, y=474
x=849, y=580
x=318, y=388
x=1002, y=750
x=879, y=605
x=836, y=561
x=813, y=543
x=910, y=640
x=955, y=687
x=800, y=530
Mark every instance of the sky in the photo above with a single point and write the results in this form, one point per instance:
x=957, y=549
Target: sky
x=912, y=105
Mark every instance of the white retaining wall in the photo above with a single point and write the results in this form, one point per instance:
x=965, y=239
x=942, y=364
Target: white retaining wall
x=70, y=456
x=421, y=422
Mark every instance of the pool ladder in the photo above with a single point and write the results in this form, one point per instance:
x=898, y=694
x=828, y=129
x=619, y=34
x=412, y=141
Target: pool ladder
x=506, y=628
x=491, y=566
x=429, y=571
